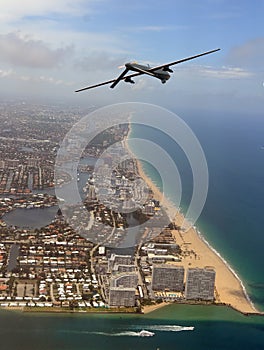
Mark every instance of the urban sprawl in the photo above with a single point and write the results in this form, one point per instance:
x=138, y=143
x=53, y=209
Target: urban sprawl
x=56, y=268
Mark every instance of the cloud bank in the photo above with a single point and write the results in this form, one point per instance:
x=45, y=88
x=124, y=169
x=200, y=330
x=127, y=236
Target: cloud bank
x=21, y=50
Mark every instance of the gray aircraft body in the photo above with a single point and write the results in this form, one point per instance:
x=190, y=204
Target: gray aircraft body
x=160, y=72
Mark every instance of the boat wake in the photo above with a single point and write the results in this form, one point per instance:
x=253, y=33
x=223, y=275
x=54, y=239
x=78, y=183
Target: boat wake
x=142, y=333
x=148, y=331
x=169, y=328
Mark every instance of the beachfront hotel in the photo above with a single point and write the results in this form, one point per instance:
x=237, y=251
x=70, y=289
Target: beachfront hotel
x=167, y=277
x=119, y=296
x=200, y=284
x=126, y=280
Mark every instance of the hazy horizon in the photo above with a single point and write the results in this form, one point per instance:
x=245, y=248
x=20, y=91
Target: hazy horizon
x=49, y=49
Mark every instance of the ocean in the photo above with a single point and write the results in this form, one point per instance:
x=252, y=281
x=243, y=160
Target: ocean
x=232, y=221
x=178, y=327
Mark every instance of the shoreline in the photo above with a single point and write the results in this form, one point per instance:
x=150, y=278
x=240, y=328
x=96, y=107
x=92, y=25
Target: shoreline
x=230, y=290
x=151, y=308
x=234, y=295
x=231, y=269
x=147, y=309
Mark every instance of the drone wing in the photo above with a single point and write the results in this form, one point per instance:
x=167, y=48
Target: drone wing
x=142, y=71
x=167, y=65
x=121, y=76
x=113, y=81
x=94, y=86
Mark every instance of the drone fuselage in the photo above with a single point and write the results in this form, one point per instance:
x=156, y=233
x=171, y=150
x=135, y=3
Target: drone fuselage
x=161, y=74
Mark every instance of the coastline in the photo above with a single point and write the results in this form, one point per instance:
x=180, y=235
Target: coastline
x=230, y=290
x=151, y=308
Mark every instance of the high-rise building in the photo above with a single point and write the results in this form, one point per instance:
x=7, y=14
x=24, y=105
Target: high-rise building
x=149, y=208
x=91, y=189
x=33, y=162
x=123, y=268
x=200, y=284
x=167, y=277
x=125, y=280
x=119, y=296
x=116, y=259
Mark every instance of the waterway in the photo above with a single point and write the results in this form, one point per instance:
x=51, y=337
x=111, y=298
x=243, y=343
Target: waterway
x=175, y=327
x=31, y=218
x=40, y=217
x=232, y=222
x=131, y=238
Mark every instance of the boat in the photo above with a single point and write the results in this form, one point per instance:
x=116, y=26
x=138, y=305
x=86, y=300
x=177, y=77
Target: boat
x=144, y=333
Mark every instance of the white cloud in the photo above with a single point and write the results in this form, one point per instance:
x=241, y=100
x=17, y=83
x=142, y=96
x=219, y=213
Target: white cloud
x=6, y=73
x=100, y=61
x=140, y=84
x=249, y=54
x=225, y=72
x=21, y=50
x=52, y=80
x=14, y=10
x=54, y=23
x=34, y=78
x=155, y=28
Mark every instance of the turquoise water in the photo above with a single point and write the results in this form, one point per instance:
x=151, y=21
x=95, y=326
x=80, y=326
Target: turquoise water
x=232, y=221
x=214, y=328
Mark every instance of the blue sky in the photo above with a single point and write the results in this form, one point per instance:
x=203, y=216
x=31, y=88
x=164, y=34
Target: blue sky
x=50, y=48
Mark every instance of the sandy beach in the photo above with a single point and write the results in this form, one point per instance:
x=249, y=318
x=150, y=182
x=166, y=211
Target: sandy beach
x=198, y=253
x=151, y=308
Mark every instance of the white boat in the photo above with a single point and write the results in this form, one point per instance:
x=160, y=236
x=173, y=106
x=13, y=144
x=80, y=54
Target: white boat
x=144, y=333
